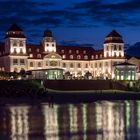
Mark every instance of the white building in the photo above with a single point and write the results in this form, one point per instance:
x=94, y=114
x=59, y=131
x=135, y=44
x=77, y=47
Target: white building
x=16, y=54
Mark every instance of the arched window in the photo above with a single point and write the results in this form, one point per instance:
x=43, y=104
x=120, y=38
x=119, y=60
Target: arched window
x=79, y=65
x=64, y=65
x=38, y=55
x=71, y=56
x=86, y=65
x=71, y=65
x=39, y=64
x=78, y=57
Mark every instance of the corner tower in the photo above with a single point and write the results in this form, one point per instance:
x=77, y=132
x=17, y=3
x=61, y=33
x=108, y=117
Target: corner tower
x=113, y=45
x=15, y=41
x=49, y=43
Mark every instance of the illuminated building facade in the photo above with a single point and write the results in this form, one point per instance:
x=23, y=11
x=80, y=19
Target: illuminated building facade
x=16, y=55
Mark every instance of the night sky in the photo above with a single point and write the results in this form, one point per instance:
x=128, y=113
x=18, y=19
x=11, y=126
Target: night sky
x=73, y=21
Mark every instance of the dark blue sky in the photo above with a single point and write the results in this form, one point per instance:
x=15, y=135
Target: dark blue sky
x=79, y=21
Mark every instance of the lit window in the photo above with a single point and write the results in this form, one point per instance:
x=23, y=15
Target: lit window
x=77, y=51
x=31, y=55
x=37, y=50
x=38, y=55
x=70, y=51
x=62, y=51
x=85, y=57
x=71, y=56
x=101, y=55
x=96, y=56
x=29, y=49
x=84, y=52
x=92, y=57
x=63, y=56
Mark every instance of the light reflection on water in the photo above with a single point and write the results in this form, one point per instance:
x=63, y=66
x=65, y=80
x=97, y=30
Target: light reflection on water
x=103, y=120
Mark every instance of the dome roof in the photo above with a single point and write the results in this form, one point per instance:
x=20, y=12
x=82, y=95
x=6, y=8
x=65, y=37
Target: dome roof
x=15, y=31
x=113, y=37
x=48, y=33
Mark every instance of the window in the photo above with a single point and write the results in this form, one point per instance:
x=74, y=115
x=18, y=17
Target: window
x=38, y=55
x=106, y=63
x=15, y=61
x=101, y=55
x=47, y=44
x=71, y=65
x=107, y=48
x=37, y=50
x=63, y=56
x=29, y=50
x=52, y=45
x=39, y=64
x=15, y=51
x=22, y=61
x=96, y=56
x=120, y=47
x=21, y=43
x=64, y=65
x=30, y=55
x=21, y=51
x=14, y=43
x=70, y=51
x=31, y=64
x=115, y=47
x=77, y=51
x=86, y=65
x=95, y=65
x=100, y=65
x=85, y=57
x=92, y=57
x=71, y=56
x=62, y=51
x=79, y=65
x=84, y=52
x=78, y=57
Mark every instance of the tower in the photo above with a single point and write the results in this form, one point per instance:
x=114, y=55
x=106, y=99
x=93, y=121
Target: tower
x=49, y=43
x=113, y=45
x=15, y=41
x=15, y=49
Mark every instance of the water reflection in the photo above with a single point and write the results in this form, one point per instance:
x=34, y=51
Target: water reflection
x=92, y=121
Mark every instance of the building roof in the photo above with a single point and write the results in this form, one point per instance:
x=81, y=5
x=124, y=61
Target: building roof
x=14, y=27
x=47, y=33
x=113, y=37
x=114, y=33
x=124, y=64
x=15, y=31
